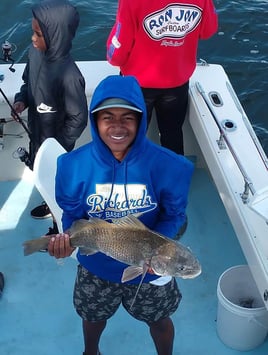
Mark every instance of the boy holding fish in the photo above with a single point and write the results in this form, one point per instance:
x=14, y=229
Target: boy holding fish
x=120, y=174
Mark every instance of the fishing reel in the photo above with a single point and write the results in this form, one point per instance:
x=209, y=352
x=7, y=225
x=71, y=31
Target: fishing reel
x=22, y=154
x=7, y=50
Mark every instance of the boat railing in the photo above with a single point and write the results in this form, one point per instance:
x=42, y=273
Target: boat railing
x=259, y=202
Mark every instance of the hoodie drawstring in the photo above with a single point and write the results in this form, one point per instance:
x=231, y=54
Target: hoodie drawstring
x=112, y=188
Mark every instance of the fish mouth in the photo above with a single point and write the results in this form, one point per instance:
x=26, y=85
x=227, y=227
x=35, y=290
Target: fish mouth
x=191, y=274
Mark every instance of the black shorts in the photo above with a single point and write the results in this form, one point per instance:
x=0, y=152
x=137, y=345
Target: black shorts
x=96, y=299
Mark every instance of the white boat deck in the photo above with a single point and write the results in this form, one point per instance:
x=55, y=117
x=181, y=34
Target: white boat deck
x=37, y=315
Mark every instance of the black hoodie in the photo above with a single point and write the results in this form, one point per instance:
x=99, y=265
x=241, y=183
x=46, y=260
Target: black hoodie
x=54, y=88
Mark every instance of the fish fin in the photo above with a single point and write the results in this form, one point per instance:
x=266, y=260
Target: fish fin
x=130, y=221
x=84, y=223
x=87, y=251
x=138, y=214
x=34, y=245
x=131, y=272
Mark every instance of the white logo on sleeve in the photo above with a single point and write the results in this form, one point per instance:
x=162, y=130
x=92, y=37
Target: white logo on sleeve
x=115, y=42
x=43, y=108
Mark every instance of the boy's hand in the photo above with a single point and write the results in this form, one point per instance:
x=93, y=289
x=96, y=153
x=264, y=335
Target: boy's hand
x=59, y=246
x=18, y=108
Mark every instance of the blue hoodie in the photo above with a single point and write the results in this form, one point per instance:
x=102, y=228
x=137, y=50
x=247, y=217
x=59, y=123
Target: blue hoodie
x=152, y=180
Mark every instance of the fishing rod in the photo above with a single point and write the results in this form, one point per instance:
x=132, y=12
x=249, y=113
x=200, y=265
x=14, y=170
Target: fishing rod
x=20, y=152
x=14, y=113
x=7, y=57
x=17, y=118
x=7, y=52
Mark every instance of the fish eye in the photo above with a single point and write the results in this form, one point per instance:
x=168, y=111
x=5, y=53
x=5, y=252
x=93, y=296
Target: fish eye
x=182, y=268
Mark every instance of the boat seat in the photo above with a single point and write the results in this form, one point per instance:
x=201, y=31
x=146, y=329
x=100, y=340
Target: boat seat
x=259, y=203
x=44, y=170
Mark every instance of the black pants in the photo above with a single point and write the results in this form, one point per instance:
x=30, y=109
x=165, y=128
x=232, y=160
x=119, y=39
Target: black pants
x=170, y=107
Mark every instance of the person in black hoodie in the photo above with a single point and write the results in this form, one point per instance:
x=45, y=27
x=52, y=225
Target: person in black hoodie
x=54, y=88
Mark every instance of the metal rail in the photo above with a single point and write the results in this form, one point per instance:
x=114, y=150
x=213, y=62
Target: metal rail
x=248, y=125
x=248, y=183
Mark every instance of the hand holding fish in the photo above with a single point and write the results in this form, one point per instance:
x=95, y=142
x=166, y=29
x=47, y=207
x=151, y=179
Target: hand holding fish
x=59, y=246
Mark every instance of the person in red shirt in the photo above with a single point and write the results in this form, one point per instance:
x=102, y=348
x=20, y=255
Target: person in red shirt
x=157, y=41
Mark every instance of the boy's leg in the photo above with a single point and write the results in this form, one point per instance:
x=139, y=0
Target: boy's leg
x=95, y=301
x=162, y=333
x=92, y=333
x=170, y=113
x=154, y=305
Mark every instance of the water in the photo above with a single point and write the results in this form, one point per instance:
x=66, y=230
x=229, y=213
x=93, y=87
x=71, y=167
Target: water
x=241, y=45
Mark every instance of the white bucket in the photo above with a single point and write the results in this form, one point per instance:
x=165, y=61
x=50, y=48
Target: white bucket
x=242, y=319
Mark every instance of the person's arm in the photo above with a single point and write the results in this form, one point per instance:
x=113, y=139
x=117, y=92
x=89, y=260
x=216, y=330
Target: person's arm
x=21, y=97
x=75, y=106
x=209, y=24
x=174, y=199
x=67, y=197
x=122, y=36
x=68, y=192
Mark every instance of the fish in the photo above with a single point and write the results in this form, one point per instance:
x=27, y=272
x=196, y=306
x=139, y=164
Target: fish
x=129, y=241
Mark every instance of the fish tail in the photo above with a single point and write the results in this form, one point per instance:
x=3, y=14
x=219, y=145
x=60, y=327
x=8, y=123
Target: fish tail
x=32, y=246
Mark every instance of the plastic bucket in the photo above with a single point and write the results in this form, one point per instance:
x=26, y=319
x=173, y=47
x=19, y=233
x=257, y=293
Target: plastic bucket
x=242, y=319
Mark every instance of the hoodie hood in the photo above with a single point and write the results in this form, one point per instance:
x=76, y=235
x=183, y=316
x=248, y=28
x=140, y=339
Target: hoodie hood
x=58, y=20
x=122, y=87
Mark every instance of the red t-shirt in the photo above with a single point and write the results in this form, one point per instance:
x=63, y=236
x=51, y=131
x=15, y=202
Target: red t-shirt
x=157, y=40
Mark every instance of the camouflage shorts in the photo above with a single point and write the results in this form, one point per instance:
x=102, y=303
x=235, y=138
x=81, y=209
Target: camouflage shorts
x=96, y=299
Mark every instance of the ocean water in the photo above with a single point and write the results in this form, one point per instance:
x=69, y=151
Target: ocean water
x=241, y=45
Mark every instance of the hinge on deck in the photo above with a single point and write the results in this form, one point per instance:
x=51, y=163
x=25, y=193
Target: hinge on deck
x=265, y=295
x=2, y=123
x=203, y=62
x=221, y=142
